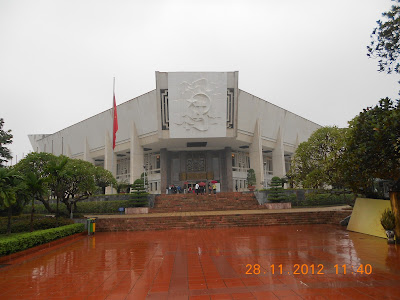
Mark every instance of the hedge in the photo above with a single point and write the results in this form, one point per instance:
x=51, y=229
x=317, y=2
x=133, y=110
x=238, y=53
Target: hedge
x=23, y=223
x=12, y=244
x=100, y=207
x=316, y=199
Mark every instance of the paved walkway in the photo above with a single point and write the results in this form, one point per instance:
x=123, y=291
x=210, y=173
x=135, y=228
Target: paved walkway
x=225, y=212
x=273, y=262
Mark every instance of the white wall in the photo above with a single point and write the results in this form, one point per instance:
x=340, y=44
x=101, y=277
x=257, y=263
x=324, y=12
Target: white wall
x=142, y=110
x=272, y=117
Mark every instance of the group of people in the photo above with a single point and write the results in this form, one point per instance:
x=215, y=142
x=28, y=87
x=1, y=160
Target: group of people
x=172, y=189
x=198, y=189
x=201, y=189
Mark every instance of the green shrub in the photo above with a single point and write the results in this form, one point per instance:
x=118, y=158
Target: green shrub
x=93, y=207
x=388, y=220
x=78, y=215
x=139, y=202
x=292, y=198
x=276, y=192
x=139, y=194
x=251, y=177
x=24, y=241
x=89, y=207
x=317, y=199
x=101, y=207
x=23, y=223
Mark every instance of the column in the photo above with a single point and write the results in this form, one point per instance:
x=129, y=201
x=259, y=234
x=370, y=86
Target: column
x=278, y=157
x=209, y=164
x=297, y=142
x=86, y=152
x=256, y=156
x=165, y=172
x=69, y=153
x=226, y=170
x=136, y=156
x=182, y=163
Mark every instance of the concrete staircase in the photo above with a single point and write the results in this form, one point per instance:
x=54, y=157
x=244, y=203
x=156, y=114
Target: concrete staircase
x=181, y=211
x=192, y=202
x=220, y=221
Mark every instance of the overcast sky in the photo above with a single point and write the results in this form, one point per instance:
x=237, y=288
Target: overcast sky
x=58, y=58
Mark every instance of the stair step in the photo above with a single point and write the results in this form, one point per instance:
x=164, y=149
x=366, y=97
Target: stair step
x=193, y=202
x=212, y=221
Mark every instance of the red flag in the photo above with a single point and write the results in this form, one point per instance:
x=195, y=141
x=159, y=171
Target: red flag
x=115, y=123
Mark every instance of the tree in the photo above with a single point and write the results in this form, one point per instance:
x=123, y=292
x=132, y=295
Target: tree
x=139, y=194
x=56, y=171
x=78, y=182
x=9, y=185
x=37, y=163
x=373, y=147
x=373, y=151
x=36, y=189
x=104, y=178
x=5, y=139
x=122, y=187
x=276, y=193
x=251, y=177
x=74, y=180
x=69, y=180
x=315, y=162
x=385, y=43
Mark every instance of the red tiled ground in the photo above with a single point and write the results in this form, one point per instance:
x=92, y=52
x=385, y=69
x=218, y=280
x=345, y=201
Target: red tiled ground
x=211, y=264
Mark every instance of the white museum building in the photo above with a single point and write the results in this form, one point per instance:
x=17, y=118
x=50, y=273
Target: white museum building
x=195, y=126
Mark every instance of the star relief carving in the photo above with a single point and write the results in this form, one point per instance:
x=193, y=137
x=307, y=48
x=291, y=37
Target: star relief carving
x=198, y=114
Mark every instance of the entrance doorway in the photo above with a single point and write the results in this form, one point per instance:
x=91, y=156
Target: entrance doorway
x=192, y=184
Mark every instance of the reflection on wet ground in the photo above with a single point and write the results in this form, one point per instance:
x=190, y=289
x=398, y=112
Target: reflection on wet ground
x=274, y=262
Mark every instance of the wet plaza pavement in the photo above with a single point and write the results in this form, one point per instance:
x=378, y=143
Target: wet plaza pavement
x=272, y=262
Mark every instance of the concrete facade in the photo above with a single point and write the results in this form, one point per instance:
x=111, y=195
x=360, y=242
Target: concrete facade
x=199, y=134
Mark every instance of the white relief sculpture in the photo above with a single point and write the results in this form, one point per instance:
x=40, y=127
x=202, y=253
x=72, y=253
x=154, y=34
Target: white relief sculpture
x=197, y=106
x=197, y=115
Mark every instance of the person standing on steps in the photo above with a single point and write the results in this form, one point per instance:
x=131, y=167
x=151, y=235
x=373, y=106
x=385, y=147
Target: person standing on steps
x=214, y=188
x=197, y=189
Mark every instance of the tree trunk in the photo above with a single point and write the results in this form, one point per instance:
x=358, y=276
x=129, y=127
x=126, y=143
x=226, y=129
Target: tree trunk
x=68, y=205
x=46, y=205
x=33, y=210
x=57, y=212
x=9, y=219
x=395, y=203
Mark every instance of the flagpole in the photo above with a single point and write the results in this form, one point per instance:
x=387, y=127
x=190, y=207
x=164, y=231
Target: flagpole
x=112, y=117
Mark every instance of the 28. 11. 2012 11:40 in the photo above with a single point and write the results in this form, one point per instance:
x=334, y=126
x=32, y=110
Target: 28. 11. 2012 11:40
x=304, y=269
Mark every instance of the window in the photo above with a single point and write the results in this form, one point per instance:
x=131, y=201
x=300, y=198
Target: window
x=230, y=108
x=288, y=161
x=268, y=165
x=164, y=109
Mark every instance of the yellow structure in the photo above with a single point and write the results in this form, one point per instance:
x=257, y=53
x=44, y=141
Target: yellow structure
x=366, y=216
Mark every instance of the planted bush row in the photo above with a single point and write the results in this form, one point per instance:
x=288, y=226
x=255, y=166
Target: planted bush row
x=315, y=199
x=9, y=245
x=39, y=223
x=100, y=207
